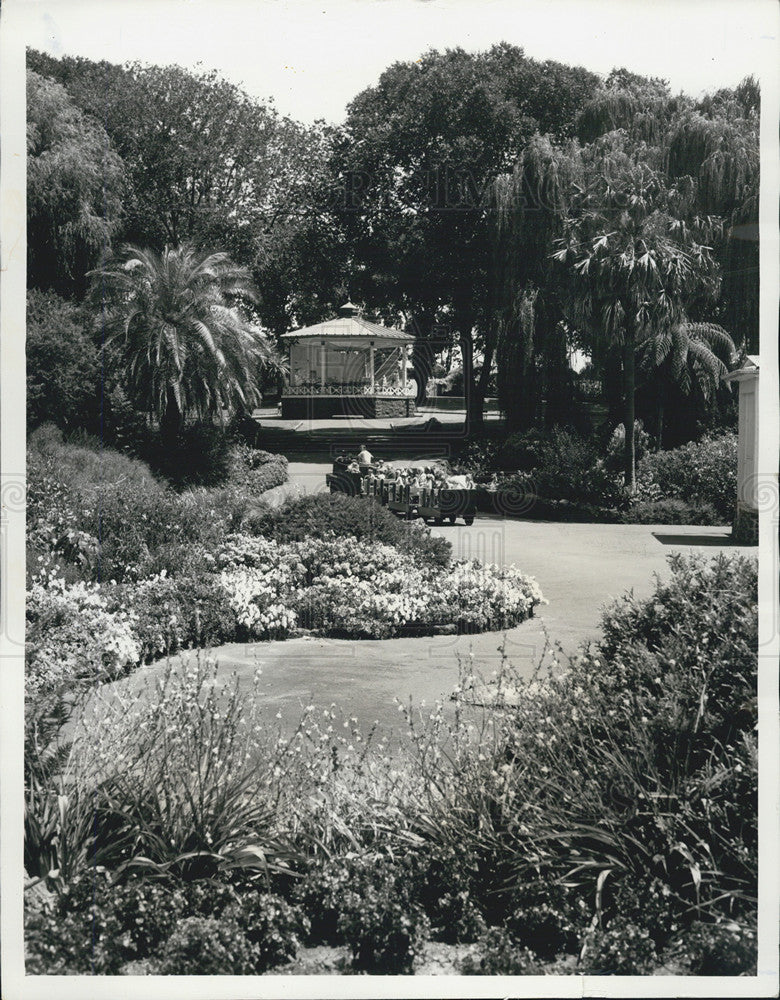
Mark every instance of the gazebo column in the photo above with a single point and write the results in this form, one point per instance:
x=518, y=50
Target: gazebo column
x=371, y=360
x=323, y=364
x=404, y=362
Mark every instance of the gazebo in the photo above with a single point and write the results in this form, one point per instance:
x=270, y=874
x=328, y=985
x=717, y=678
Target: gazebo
x=347, y=366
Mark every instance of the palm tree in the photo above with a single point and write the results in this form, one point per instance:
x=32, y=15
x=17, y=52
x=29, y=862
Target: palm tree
x=690, y=355
x=633, y=264
x=185, y=347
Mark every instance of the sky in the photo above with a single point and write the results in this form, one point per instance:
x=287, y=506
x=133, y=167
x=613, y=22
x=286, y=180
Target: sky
x=313, y=57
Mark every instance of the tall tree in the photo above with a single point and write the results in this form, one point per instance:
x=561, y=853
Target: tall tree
x=526, y=309
x=419, y=153
x=634, y=266
x=209, y=165
x=183, y=343
x=75, y=185
x=717, y=146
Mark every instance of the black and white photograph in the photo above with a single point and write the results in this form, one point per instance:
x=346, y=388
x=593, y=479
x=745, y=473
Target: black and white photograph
x=389, y=549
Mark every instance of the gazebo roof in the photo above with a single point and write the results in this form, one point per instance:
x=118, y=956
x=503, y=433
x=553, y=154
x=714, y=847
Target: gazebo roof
x=349, y=324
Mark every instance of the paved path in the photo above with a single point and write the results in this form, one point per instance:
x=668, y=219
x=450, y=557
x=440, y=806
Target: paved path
x=580, y=567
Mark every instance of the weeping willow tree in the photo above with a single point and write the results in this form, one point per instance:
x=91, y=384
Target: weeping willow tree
x=693, y=177
x=531, y=349
x=716, y=146
x=641, y=107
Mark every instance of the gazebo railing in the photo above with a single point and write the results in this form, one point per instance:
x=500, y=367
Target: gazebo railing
x=358, y=387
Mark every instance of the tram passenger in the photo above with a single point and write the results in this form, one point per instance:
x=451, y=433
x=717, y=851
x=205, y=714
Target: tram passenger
x=365, y=458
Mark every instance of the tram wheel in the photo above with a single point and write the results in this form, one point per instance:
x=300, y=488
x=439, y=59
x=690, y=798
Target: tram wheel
x=469, y=520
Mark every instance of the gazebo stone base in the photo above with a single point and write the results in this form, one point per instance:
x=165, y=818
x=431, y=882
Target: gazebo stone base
x=744, y=528
x=322, y=407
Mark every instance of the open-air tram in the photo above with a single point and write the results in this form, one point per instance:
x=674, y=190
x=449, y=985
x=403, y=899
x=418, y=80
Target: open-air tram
x=438, y=504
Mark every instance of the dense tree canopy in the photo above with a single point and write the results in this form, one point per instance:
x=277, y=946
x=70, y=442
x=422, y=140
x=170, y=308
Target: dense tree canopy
x=75, y=189
x=440, y=203
x=209, y=165
x=693, y=165
x=416, y=160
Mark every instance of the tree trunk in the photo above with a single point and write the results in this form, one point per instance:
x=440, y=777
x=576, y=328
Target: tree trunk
x=170, y=422
x=629, y=389
x=660, y=427
x=557, y=388
x=422, y=354
x=482, y=387
x=474, y=421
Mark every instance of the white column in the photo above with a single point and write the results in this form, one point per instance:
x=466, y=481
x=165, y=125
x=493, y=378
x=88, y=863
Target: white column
x=371, y=364
x=323, y=364
x=404, y=360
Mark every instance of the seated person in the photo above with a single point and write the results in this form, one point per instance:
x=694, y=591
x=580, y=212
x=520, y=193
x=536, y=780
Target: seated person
x=461, y=482
x=364, y=457
x=353, y=467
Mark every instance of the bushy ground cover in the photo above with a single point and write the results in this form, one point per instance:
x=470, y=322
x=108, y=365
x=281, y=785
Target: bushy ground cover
x=560, y=475
x=601, y=814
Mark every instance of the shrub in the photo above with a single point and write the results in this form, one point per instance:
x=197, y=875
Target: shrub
x=624, y=949
x=322, y=514
x=272, y=926
x=499, y=954
x=207, y=946
x=98, y=925
x=62, y=363
x=85, y=465
x=107, y=514
x=174, y=774
x=570, y=469
x=521, y=452
x=72, y=634
x=202, y=457
x=727, y=948
x=443, y=886
x=384, y=928
x=704, y=472
x=257, y=470
x=479, y=455
x=340, y=586
x=545, y=919
x=173, y=613
x=639, y=761
x=671, y=511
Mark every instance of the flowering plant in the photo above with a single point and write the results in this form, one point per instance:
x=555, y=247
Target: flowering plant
x=344, y=586
x=72, y=634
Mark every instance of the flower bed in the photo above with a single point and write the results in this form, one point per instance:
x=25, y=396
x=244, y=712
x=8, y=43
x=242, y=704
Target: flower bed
x=338, y=586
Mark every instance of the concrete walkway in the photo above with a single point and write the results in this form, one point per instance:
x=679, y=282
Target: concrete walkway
x=580, y=568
